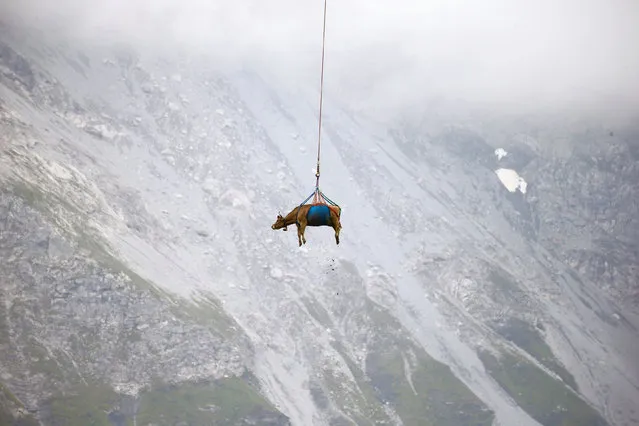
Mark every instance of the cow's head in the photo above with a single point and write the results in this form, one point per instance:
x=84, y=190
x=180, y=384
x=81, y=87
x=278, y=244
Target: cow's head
x=279, y=223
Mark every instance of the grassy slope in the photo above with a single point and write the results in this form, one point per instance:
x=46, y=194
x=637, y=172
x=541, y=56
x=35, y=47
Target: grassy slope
x=11, y=411
x=225, y=402
x=423, y=390
x=530, y=340
x=544, y=398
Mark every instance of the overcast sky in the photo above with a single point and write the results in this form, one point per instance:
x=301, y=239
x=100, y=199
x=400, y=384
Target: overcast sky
x=516, y=53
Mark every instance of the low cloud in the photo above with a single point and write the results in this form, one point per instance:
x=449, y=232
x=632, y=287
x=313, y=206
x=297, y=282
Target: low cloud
x=512, y=55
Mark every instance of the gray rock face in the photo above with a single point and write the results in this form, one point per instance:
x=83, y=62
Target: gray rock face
x=587, y=209
x=71, y=313
x=580, y=196
x=141, y=281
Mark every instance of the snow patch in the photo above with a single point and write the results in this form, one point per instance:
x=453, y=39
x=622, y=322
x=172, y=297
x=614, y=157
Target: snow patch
x=500, y=153
x=511, y=180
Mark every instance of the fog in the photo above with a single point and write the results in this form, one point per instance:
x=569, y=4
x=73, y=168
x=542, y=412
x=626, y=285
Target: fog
x=503, y=55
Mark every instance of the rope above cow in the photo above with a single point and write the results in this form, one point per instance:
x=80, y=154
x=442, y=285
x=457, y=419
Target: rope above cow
x=319, y=127
x=318, y=196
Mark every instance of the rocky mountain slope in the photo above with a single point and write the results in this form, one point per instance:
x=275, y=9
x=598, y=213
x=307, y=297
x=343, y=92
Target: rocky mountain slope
x=141, y=282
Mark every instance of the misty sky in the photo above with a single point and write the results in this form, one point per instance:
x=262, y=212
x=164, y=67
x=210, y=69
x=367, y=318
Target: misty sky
x=510, y=53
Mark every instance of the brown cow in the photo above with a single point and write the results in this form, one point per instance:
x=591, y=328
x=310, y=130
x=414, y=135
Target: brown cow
x=321, y=214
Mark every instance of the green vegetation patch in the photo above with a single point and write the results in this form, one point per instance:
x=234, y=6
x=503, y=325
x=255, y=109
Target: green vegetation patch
x=544, y=398
x=363, y=406
x=12, y=411
x=422, y=390
x=530, y=340
x=505, y=286
x=81, y=406
x=232, y=401
x=229, y=401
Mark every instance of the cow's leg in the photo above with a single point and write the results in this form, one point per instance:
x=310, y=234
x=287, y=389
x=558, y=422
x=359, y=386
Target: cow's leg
x=299, y=234
x=336, y=226
x=302, y=225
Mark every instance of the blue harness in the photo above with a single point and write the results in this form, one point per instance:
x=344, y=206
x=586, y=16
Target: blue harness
x=319, y=215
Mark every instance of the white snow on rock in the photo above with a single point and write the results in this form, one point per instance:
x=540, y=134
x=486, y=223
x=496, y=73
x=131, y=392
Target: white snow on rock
x=276, y=273
x=511, y=180
x=500, y=153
